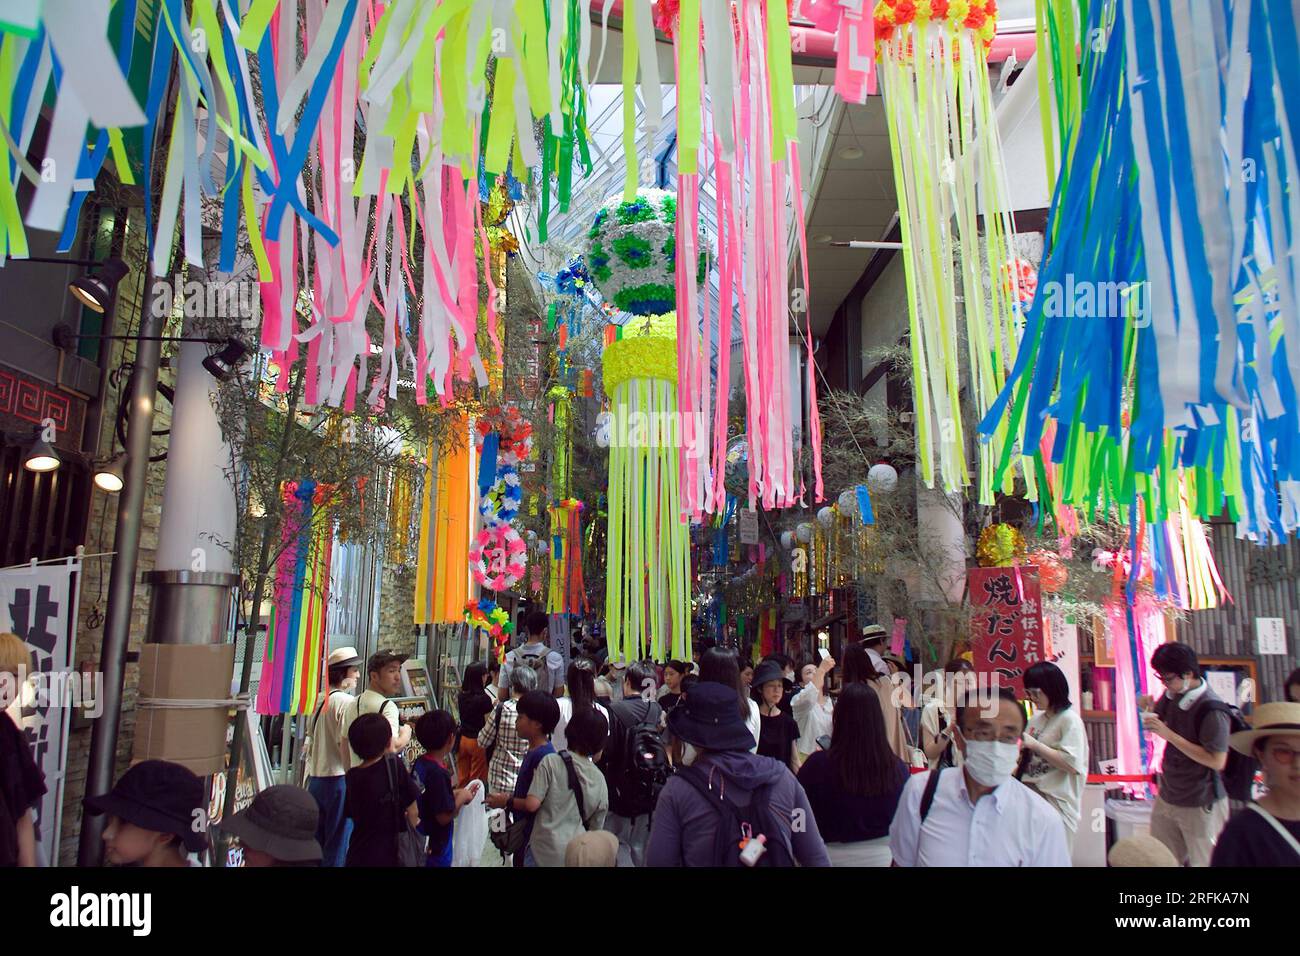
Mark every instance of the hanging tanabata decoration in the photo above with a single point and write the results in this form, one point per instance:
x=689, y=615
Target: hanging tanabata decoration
x=295, y=650
x=566, y=594
x=955, y=223
x=749, y=139
x=442, y=571
x=485, y=615
x=648, y=575
x=1180, y=379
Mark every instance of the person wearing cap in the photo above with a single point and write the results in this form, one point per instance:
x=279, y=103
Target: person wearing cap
x=716, y=745
x=278, y=828
x=593, y=848
x=156, y=816
x=384, y=672
x=1267, y=832
x=777, y=730
x=329, y=755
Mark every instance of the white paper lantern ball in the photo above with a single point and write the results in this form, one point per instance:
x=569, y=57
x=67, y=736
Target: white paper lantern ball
x=848, y=503
x=787, y=539
x=882, y=478
x=826, y=517
x=804, y=531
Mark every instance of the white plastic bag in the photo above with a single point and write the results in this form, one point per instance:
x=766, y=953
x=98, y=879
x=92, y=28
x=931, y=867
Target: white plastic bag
x=470, y=831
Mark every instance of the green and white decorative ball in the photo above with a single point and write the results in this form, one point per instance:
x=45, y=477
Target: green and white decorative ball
x=632, y=252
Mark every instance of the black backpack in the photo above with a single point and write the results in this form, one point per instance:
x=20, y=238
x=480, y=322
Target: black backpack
x=1238, y=774
x=643, y=767
x=734, y=821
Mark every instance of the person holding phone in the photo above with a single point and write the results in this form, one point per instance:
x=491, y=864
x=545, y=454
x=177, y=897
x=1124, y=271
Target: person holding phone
x=854, y=783
x=811, y=706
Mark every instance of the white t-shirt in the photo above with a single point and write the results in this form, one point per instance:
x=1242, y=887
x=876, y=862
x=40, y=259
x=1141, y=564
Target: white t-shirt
x=558, y=738
x=813, y=712
x=329, y=735
x=1064, y=733
x=373, y=702
x=551, y=677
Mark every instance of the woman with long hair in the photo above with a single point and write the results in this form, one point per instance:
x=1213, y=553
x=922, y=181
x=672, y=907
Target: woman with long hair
x=854, y=786
x=720, y=665
x=473, y=704
x=859, y=668
x=1055, y=749
x=580, y=682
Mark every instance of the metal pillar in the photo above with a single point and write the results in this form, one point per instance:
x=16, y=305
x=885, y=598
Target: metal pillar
x=121, y=583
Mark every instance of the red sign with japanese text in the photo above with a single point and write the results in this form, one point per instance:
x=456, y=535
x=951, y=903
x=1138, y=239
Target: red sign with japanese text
x=1006, y=623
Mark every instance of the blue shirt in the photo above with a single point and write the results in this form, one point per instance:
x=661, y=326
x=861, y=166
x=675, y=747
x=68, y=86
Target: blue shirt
x=437, y=798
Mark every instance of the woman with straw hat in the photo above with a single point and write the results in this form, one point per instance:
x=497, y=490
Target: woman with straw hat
x=1267, y=833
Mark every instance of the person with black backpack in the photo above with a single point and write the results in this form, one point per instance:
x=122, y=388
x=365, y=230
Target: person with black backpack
x=726, y=806
x=1192, y=805
x=636, y=763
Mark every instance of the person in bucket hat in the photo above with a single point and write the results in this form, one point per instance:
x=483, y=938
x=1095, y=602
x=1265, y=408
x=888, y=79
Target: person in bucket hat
x=1267, y=832
x=156, y=816
x=278, y=828
x=717, y=766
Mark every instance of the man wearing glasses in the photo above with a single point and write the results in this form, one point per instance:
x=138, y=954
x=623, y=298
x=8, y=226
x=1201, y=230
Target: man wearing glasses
x=978, y=814
x=1192, y=805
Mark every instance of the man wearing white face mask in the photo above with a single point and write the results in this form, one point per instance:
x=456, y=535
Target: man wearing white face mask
x=978, y=814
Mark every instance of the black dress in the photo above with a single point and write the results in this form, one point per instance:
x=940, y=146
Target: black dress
x=777, y=736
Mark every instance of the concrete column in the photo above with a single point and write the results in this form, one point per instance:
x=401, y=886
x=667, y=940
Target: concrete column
x=943, y=545
x=195, y=562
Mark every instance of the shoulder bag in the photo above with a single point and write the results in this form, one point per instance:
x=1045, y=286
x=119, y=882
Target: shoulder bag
x=410, y=844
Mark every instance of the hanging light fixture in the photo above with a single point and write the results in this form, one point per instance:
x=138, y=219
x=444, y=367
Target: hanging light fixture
x=222, y=363
x=41, y=456
x=111, y=475
x=95, y=289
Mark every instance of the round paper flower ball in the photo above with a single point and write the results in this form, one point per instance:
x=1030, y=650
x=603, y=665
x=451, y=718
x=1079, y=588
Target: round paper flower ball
x=1052, y=574
x=632, y=252
x=999, y=546
x=882, y=478
x=848, y=502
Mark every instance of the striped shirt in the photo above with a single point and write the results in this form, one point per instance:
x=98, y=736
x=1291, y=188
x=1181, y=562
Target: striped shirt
x=510, y=749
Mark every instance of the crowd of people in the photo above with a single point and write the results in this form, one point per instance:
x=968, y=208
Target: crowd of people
x=709, y=762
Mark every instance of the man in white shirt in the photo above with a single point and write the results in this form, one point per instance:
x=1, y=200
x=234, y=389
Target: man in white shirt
x=536, y=654
x=329, y=754
x=978, y=814
x=385, y=673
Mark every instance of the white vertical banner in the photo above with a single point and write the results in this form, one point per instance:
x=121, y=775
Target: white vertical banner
x=39, y=604
x=1063, y=651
